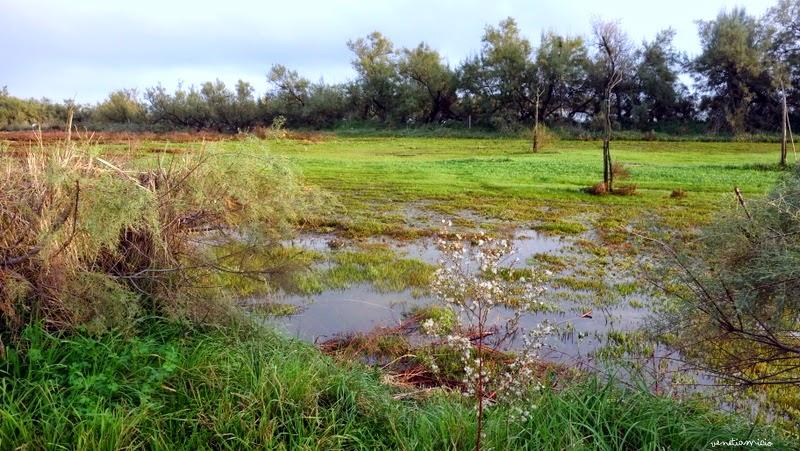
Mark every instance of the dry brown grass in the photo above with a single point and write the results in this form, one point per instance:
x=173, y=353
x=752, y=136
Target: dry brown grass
x=678, y=193
x=598, y=189
x=619, y=171
x=92, y=241
x=28, y=138
x=625, y=190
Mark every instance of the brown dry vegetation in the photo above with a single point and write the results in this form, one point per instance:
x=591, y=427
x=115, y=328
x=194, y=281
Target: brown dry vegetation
x=50, y=137
x=16, y=140
x=89, y=241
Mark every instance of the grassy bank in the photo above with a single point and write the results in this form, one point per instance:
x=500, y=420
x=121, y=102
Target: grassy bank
x=176, y=387
x=377, y=178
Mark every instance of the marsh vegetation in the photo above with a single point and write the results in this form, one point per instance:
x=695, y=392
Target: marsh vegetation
x=335, y=241
x=425, y=257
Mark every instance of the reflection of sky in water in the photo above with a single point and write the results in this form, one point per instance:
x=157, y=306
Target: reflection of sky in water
x=360, y=308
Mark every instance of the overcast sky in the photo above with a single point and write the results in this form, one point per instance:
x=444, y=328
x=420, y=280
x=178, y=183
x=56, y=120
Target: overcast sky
x=84, y=49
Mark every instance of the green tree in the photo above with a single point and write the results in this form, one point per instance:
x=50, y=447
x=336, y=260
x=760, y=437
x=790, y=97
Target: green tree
x=500, y=82
x=121, y=107
x=730, y=70
x=327, y=104
x=378, y=77
x=289, y=95
x=183, y=109
x=431, y=80
x=563, y=63
x=660, y=96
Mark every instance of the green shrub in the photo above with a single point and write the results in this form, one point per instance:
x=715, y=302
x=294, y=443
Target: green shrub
x=88, y=241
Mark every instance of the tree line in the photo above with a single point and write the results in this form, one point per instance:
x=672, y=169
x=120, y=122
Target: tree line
x=747, y=69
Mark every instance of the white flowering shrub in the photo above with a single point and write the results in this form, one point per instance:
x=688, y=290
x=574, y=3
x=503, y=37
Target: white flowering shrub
x=474, y=281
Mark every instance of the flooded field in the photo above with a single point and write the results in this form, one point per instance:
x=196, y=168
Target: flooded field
x=586, y=304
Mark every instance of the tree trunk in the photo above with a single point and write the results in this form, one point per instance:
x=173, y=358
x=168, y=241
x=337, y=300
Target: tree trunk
x=536, y=125
x=608, y=174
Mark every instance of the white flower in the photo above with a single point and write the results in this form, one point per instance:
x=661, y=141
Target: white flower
x=429, y=326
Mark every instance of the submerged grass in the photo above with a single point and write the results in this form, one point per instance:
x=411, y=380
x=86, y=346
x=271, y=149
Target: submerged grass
x=173, y=387
x=381, y=267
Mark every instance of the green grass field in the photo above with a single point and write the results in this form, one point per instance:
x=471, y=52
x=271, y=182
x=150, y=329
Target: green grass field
x=426, y=167
x=501, y=178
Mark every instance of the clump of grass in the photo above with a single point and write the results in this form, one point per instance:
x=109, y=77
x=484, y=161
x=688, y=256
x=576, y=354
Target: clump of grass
x=176, y=388
x=561, y=227
x=628, y=189
x=678, y=193
x=381, y=267
x=444, y=319
x=593, y=248
x=619, y=171
x=273, y=309
x=552, y=262
x=598, y=189
x=628, y=288
x=575, y=283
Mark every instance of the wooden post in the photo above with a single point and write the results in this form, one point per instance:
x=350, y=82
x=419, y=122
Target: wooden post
x=740, y=198
x=536, y=123
x=784, y=126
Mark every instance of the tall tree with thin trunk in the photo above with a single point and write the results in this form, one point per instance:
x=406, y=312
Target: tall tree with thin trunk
x=614, y=54
x=538, y=91
x=731, y=71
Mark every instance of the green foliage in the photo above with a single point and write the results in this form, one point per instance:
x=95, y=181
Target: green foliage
x=87, y=244
x=757, y=258
x=120, y=107
x=663, y=97
x=732, y=69
x=444, y=318
x=21, y=113
x=737, y=297
x=430, y=84
x=377, y=74
x=173, y=388
x=500, y=80
x=213, y=106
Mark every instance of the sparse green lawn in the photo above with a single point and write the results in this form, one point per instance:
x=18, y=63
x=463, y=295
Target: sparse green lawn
x=428, y=168
x=376, y=178
x=501, y=178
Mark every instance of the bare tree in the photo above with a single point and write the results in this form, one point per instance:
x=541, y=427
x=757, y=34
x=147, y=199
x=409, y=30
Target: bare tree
x=539, y=90
x=616, y=58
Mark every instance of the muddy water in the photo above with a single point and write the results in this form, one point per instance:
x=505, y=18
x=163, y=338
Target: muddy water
x=360, y=308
